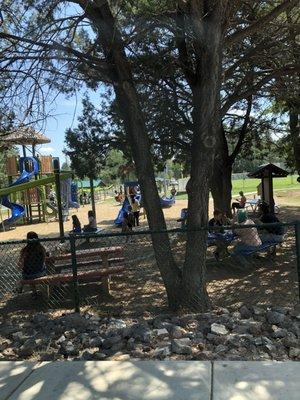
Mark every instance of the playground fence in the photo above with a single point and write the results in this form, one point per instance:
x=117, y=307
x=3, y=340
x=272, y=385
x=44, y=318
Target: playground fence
x=139, y=267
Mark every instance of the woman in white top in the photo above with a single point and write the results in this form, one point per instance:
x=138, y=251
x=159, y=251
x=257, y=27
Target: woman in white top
x=249, y=238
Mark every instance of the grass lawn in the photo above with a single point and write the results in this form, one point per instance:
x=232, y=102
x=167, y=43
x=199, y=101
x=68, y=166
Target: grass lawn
x=249, y=185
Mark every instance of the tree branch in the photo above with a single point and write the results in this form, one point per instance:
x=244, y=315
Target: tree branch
x=260, y=23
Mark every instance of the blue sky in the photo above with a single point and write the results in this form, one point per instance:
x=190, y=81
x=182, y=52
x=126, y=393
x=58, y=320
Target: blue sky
x=64, y=113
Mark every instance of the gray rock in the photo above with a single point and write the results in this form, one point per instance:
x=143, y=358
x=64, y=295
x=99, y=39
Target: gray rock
x=290, y=340
x=96, y=342
x=68, y=349
x=245, y=312
x=294, y=352
x=236, y=315
x=218, y=329
x=88, y=355
x=178, y=332
x=28, y=348
x=240, y=328
x=181, y=346
x=258, y=310
x=278, y=333
x=258, y=341
x=100, y=356
x=221, y=349
x=61, y=340
x=20, y=337
x=141, y=332
x=109, y=342
x=159, y=324
x=162, y=352
x=275, y=318
x=116, y=325
x=160, y=333
x=40, y=319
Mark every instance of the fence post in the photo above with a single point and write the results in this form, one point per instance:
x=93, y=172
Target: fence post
x=74, y=269
x=297, y=235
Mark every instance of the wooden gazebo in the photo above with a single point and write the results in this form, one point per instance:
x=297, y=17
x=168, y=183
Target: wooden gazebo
x=266, y=173
x=24, y=136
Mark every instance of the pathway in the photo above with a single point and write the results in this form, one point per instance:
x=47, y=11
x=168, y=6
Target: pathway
x=146, y=380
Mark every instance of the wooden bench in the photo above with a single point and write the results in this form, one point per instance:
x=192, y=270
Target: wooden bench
x=99, y=265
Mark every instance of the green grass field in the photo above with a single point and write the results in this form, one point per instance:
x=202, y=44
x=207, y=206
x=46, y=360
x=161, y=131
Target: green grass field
x=249, y=185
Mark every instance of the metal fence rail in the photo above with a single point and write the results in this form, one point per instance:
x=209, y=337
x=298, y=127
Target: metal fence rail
x=76, y=264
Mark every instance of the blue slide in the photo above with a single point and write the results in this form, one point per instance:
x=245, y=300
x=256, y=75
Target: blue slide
x=167, y=202
x=17, y=210
x=124, y=209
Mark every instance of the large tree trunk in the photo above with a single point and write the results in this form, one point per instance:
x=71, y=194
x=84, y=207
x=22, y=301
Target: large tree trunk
x=129, y=106
x=221, y=187
x=205, y=137
x=294, y=122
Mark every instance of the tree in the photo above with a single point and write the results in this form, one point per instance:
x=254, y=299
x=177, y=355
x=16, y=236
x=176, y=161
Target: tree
x=91, y=43
x=111, y=172
x=87, y=145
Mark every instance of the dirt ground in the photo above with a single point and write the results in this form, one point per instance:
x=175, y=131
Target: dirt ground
x=140, y=291
x=107, y=212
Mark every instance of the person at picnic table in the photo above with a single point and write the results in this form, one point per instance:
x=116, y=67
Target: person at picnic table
x=270, y=233
x=218, y=221
x=135, y=205
x=32, y=260
x=240, y=203
x=248, y=238
x=92, y=225
x=76, y=224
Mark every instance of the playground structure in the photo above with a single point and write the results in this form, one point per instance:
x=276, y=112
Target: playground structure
x=30, y=179
x=132, y=189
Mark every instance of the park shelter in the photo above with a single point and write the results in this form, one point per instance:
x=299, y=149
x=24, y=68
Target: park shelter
x=86, y=184
x=266, y=173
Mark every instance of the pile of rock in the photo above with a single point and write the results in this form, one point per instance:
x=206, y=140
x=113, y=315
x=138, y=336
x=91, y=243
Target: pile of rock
x=252, y=333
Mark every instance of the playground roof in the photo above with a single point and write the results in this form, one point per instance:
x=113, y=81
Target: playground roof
x=86, y=183
x=276, y=172
x=25, y=136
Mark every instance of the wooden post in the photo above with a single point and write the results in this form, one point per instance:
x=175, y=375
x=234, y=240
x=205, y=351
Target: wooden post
x=93, y=197
x=56, y=169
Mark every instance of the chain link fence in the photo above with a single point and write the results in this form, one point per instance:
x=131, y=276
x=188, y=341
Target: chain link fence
x=100, y=270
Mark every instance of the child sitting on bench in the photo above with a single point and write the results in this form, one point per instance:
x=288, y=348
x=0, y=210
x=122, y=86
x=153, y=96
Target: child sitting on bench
x=76, y=224
x=92, y=225
x=32, y=260
x=240, y=203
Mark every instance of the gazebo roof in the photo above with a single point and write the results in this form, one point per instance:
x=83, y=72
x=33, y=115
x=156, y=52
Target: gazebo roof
x=276, y=172
x=24, y=136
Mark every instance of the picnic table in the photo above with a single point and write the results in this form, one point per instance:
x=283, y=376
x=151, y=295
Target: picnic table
x=227, y=236
x=253, y=203
x=92, y=265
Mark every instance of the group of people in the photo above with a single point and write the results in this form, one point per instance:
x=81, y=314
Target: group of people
x=250, y=238
x=90, y=227
x=131, y=217
x=84, y=198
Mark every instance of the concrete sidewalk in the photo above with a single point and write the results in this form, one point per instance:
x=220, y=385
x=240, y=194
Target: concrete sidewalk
x=183, y=380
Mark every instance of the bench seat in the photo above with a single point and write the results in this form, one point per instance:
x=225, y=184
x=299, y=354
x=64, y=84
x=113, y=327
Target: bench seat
x=260, y=249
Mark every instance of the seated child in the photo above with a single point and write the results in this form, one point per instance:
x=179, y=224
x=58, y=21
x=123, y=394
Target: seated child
x=92, y=225
x=32, y=260
x=76, y=224
x=218, y=221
